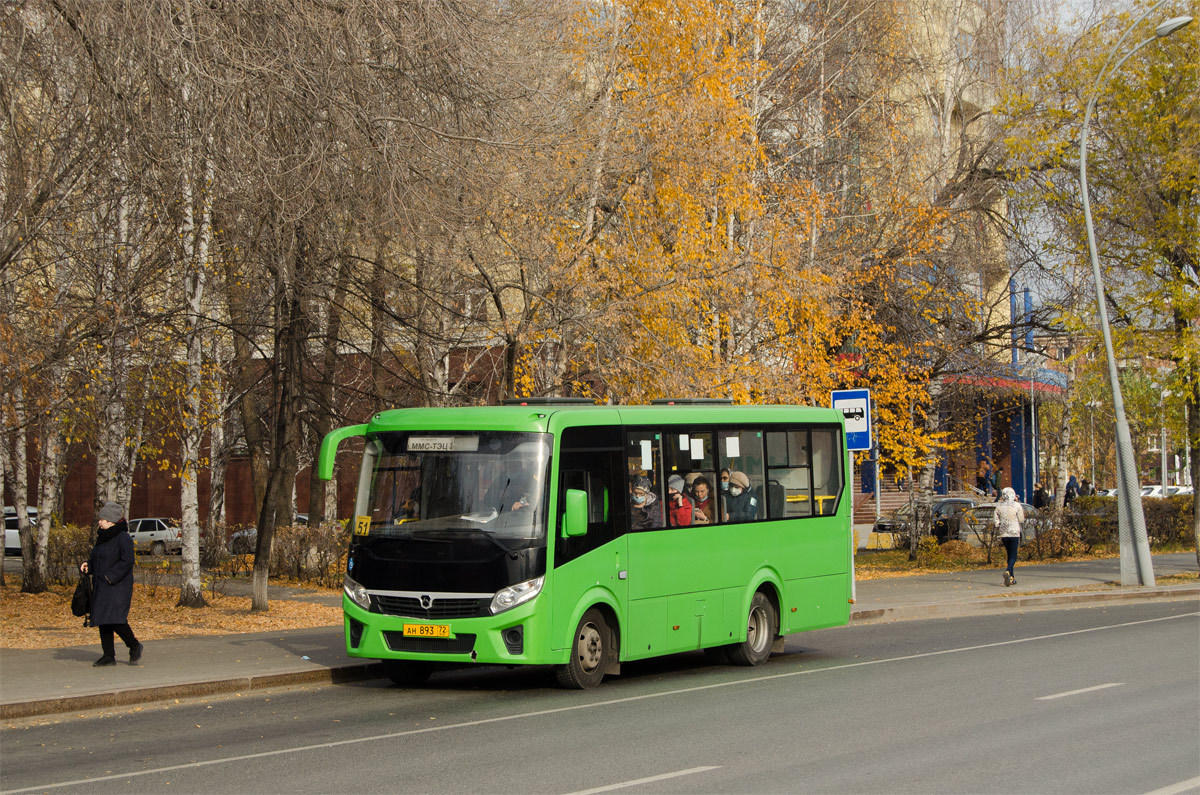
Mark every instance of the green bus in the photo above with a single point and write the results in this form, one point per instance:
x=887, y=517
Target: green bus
x=560, y=532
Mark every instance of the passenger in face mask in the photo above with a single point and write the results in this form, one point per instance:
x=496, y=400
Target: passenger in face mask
x=644, y=508
x=741, y=504
x=679, y=506
x=724, y=480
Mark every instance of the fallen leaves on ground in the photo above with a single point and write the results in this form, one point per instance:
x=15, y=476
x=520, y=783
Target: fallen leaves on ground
x=44, y=621
x=1110, y=585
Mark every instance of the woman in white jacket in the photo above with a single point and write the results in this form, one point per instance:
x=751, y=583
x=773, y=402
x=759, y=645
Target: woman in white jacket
x=1007, y=523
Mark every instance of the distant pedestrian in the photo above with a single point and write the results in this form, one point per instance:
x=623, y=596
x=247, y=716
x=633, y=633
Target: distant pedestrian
x=987, y=483
x=996, y=481
x=1006, y=522
x=111, y=567
x=1040, y=498
x=1085, y=488
x=1072, y=491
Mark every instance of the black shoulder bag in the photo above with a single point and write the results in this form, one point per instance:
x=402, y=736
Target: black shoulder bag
x=81, y=602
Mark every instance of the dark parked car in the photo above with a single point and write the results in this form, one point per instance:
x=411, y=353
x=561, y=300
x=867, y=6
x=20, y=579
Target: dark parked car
x=898, y=522
x=946, y=512
x=242, y=542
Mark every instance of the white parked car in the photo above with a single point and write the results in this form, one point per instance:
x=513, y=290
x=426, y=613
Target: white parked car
x=1152, y=491
x=157, y=536
x=12, y=538
x=1178, y=491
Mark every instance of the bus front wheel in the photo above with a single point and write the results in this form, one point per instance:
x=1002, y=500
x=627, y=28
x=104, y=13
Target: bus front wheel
x=590, y=652
x=761, y=625
x=407, y=673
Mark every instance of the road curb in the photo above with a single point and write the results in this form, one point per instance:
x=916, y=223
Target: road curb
x=143, y=695
x=1000, y=604
x=357, y=672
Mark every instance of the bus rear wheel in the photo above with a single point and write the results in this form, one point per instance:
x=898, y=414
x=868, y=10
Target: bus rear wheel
x=761, y=626
x=407, y=673
x=591, y=650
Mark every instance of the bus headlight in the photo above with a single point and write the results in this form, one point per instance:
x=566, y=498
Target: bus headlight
x=357, y=594
x=513, y=595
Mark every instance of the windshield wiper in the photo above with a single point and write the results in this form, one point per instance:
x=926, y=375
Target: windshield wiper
x=510, y=552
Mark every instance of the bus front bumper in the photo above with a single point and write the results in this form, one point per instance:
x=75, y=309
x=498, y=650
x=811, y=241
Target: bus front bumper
x=515, y=637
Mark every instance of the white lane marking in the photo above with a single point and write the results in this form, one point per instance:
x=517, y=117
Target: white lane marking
x=647, y=780
x=1177, y=789
x=1077, y=692
x=574, y=707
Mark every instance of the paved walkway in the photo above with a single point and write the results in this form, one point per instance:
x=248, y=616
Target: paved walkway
x=49, y=681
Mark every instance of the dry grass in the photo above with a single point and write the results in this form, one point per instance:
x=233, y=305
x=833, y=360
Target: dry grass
x=41, y=621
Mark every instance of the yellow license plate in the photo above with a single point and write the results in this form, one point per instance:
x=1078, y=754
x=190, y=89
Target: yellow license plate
x=426, y=630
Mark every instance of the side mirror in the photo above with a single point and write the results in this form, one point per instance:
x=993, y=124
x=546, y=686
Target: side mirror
x=575, y=517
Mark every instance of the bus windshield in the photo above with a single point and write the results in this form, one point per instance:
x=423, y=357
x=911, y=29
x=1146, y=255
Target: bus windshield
x=427, y=483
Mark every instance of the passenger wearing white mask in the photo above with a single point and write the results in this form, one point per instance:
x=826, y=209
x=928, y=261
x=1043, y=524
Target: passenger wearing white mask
x=741, y=504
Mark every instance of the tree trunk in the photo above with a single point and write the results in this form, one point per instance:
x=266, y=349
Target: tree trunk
x=290, y=336
x=5, y=467
x=20, y=485
x=246, y=371
x=1064, y=443
x=1192, y=403
x=34, y=567
x=327, y=392
x=196, y=235
x=127, y=462
x=218, y=457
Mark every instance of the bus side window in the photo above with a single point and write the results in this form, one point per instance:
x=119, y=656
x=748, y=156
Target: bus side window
x=788, y=475
x=644, y=468
x=826, y=470
x=590, y=460
x=741, y=452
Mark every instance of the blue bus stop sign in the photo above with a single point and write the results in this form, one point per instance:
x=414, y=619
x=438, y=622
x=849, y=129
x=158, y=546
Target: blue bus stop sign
x=855, y=405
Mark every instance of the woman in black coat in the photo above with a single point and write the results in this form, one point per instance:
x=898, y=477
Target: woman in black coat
x=111, y=567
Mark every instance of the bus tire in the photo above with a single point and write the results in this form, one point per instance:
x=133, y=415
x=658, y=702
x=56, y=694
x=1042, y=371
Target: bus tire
x=761, y=626
x=591, y=650
x=407, y=673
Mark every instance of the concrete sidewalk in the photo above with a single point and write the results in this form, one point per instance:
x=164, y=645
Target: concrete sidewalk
x=50, y=681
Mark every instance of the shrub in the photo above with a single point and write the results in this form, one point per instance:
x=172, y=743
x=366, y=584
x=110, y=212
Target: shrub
x=929, y=552
x=1093, y=520
x=310, y=553
x=1169, y=520
x=1054, y=541
x=68, y=546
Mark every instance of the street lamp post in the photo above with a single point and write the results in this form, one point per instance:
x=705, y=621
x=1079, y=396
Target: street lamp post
x=1162, y=421
x=1136, y=566
x=1093, y=405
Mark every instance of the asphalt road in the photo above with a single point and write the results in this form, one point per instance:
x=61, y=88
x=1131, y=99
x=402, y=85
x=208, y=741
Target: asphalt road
x=1089, y=700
